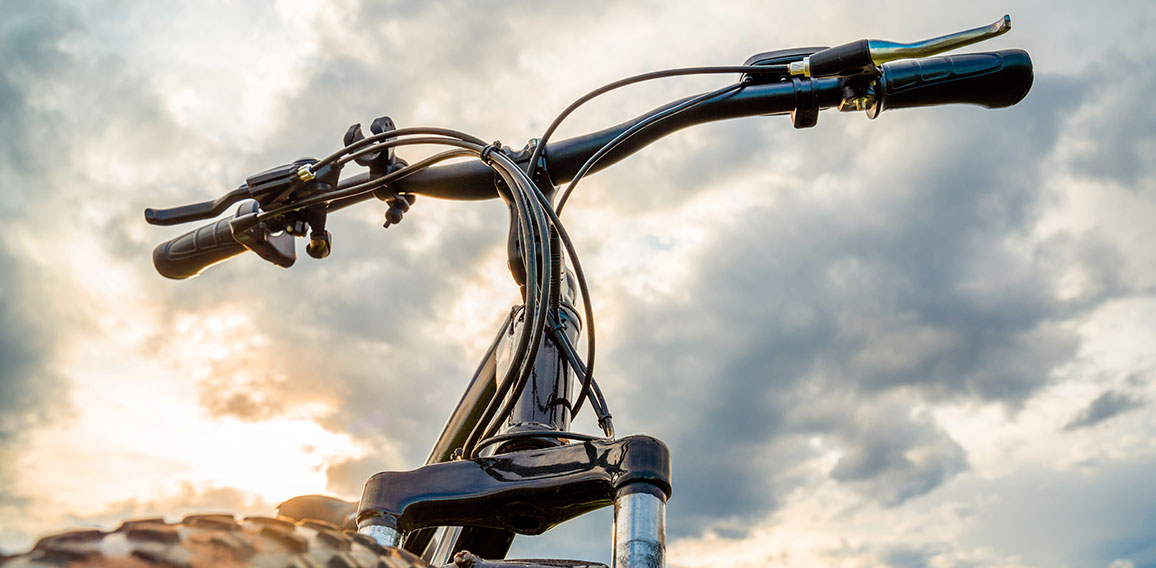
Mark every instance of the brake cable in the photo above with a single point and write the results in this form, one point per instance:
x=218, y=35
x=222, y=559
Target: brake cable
x=641, y=125
x=367, y=186
x=371, y=140
x=684, y=71
x=531, y=222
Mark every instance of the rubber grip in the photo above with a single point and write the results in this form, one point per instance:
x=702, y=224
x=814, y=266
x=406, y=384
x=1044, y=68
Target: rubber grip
x=994, y=79
x=191, y=253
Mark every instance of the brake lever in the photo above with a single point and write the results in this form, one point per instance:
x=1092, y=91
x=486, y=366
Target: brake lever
x=884, y=51
x=269, y=188
x=865, y=55
x=196, y=211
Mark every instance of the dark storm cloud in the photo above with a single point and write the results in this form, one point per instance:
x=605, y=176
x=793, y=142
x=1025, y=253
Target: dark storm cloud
x=1122, y=131
x=1110, y=403
x=910, y=285
x=29, y=41
x=31, y=394
x=892, y=457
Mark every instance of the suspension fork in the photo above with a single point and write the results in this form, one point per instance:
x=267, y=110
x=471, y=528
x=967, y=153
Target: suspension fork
x=543, y=405
x=530, y=491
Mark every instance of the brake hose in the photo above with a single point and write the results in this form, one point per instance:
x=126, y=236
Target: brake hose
x=368, y=186
x=641, y=125
x=532, y=224
x=371, y=140
x=749, y=69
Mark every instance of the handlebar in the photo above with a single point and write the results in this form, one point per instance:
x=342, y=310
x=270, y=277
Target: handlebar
x=992, y=79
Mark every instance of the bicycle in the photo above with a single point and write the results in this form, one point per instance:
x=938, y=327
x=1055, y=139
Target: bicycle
x=506, y=462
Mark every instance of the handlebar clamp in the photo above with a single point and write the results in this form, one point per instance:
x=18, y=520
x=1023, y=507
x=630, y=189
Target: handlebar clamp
x=806, y=112
x=381, y=162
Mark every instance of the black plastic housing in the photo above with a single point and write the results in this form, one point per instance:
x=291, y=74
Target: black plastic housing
x=275, y=184
x=847, y=59
x=777, y=57
x=994, y=79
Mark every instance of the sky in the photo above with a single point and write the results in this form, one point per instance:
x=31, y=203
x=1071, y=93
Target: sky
x=923, y=340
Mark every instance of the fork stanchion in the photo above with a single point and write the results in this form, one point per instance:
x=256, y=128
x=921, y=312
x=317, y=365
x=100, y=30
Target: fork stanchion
x=383, y=535
x=639, y=527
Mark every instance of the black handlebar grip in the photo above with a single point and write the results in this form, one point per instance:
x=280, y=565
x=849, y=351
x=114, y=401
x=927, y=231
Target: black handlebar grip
x=994, y=79
x=191, y=253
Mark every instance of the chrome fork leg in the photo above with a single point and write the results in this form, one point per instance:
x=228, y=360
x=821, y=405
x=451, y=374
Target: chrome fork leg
x=639, y=527
x=383, y=535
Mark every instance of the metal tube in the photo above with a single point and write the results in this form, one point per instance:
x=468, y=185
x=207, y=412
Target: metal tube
x=639, y=531
x=385, y=536
x=474, y=180
x=443, y=551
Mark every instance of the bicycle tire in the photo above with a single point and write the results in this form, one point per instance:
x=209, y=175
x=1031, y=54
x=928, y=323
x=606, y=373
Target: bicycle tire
x=215, y=540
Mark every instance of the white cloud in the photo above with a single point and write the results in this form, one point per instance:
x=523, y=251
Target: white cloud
x=863, y=341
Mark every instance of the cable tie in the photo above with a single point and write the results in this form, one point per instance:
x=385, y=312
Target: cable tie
x=489, y=149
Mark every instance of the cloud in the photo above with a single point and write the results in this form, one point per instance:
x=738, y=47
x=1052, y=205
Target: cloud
x=914, y=282
x=893, y=458
x=247, y=406
x=1036, y=505
x=1115, y=146
x=795, y=303
x=911, y=557
x=32, y=393
x=190, y=498
x=1110, y=403
x=347, y=478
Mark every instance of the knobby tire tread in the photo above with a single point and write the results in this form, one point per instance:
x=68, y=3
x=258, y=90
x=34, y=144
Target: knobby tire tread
x=215, y=540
